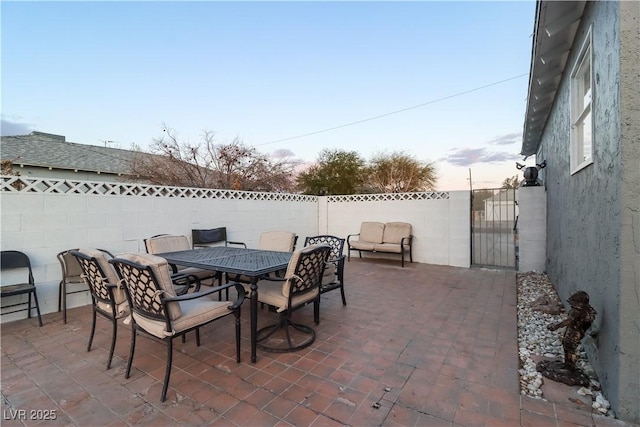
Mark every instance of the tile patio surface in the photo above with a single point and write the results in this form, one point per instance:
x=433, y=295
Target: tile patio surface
x=430, y=345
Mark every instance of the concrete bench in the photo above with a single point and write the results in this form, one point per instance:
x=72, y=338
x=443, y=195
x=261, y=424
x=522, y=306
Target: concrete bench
x=392, y=237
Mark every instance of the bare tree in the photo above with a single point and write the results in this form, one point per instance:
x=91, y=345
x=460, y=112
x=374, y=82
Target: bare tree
x=399, y=172
x=211, y=165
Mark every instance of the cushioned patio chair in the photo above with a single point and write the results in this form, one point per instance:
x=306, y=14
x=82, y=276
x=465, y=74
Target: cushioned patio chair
x=159, y=313
x=108, y=298
x=333, y=277
x=72, y=281
x=172, y=243
x=299, y=286
x=18, y=282
x=282, y=241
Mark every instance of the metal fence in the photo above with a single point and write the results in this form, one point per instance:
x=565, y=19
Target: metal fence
x=493, y=218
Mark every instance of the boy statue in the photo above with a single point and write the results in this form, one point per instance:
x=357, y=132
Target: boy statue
x=577, y=322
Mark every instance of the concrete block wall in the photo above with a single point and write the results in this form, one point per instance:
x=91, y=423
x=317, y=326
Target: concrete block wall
x=532, y=228
x=42, y=224
x=441, y=227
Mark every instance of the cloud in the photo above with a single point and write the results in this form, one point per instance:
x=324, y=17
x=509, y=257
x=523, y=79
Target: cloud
x=10, y=127
x=470, y=156
x=508, y=139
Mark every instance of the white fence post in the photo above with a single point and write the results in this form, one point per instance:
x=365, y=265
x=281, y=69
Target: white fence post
x=532, y=228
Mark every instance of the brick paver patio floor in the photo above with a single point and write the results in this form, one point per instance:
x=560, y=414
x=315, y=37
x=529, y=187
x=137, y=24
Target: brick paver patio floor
x=422, y=345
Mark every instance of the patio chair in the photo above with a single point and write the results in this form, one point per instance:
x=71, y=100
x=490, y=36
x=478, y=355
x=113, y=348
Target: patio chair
x=299, y=286
x=172, y=243
x=202, y=238
x=20, y=264
x=333, y=277
x=159, y=313
x=283, y=241
x=71, y=278
x=108, y=299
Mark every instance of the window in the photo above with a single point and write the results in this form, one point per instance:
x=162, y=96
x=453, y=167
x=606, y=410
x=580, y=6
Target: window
x=581, y=109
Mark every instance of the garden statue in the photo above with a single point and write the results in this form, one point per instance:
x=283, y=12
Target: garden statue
x=577, y=322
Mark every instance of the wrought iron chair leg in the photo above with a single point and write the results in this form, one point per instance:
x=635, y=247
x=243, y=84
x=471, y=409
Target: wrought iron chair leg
x=286, y=331
x=316, y=311
x=93, y=330
x=167, y=373
x=238, y=329
x=113, y=342
x=131, y=350
x=344, y=299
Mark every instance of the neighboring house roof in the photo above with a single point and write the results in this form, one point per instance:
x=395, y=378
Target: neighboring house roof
x=555, y=28
x=46, y=150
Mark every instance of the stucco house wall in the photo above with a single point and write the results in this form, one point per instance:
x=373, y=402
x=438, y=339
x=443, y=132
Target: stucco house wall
x=592, y=234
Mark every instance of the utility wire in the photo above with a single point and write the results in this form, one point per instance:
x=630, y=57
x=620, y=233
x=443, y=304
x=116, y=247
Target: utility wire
x=394, y=112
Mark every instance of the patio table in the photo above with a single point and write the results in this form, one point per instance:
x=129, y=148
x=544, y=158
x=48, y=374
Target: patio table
x=254, y=263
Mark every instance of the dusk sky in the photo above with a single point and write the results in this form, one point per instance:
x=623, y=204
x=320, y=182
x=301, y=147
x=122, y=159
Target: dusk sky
x=442, y=81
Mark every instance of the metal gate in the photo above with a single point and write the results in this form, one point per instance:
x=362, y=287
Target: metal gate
x=493, y=234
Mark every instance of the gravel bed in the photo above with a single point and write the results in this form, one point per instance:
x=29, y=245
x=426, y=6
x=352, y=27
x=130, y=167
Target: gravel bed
x=539, y=306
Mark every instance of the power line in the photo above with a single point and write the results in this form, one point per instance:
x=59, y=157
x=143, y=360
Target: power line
x=395, y=112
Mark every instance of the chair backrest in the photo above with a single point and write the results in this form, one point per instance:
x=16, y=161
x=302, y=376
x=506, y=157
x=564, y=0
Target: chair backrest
x=15, y=260
x=336, y=244
x=283, y=241
x=305, y=270
x=372, y=232
x=209, y=237
x=166, y=243
x=98, y=274
x=71, y=269
x=394, y=232
x=147, y=280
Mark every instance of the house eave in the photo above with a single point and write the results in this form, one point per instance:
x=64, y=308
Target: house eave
x=555, y=28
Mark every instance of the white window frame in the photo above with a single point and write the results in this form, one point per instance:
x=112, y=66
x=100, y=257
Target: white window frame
x=581, y=108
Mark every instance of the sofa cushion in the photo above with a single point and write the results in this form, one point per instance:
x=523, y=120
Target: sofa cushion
x=371, y=232
x=362, y=245
x=395, y=231
x=388, y=247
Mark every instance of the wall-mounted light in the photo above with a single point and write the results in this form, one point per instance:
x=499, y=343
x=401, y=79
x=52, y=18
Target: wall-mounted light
x=531, y=173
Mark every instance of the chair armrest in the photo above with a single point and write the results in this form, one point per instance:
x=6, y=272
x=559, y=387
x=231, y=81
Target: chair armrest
x=215, y=289
x=237, y=243
x=340, y=258
x=350, y=236
x=186, y=280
